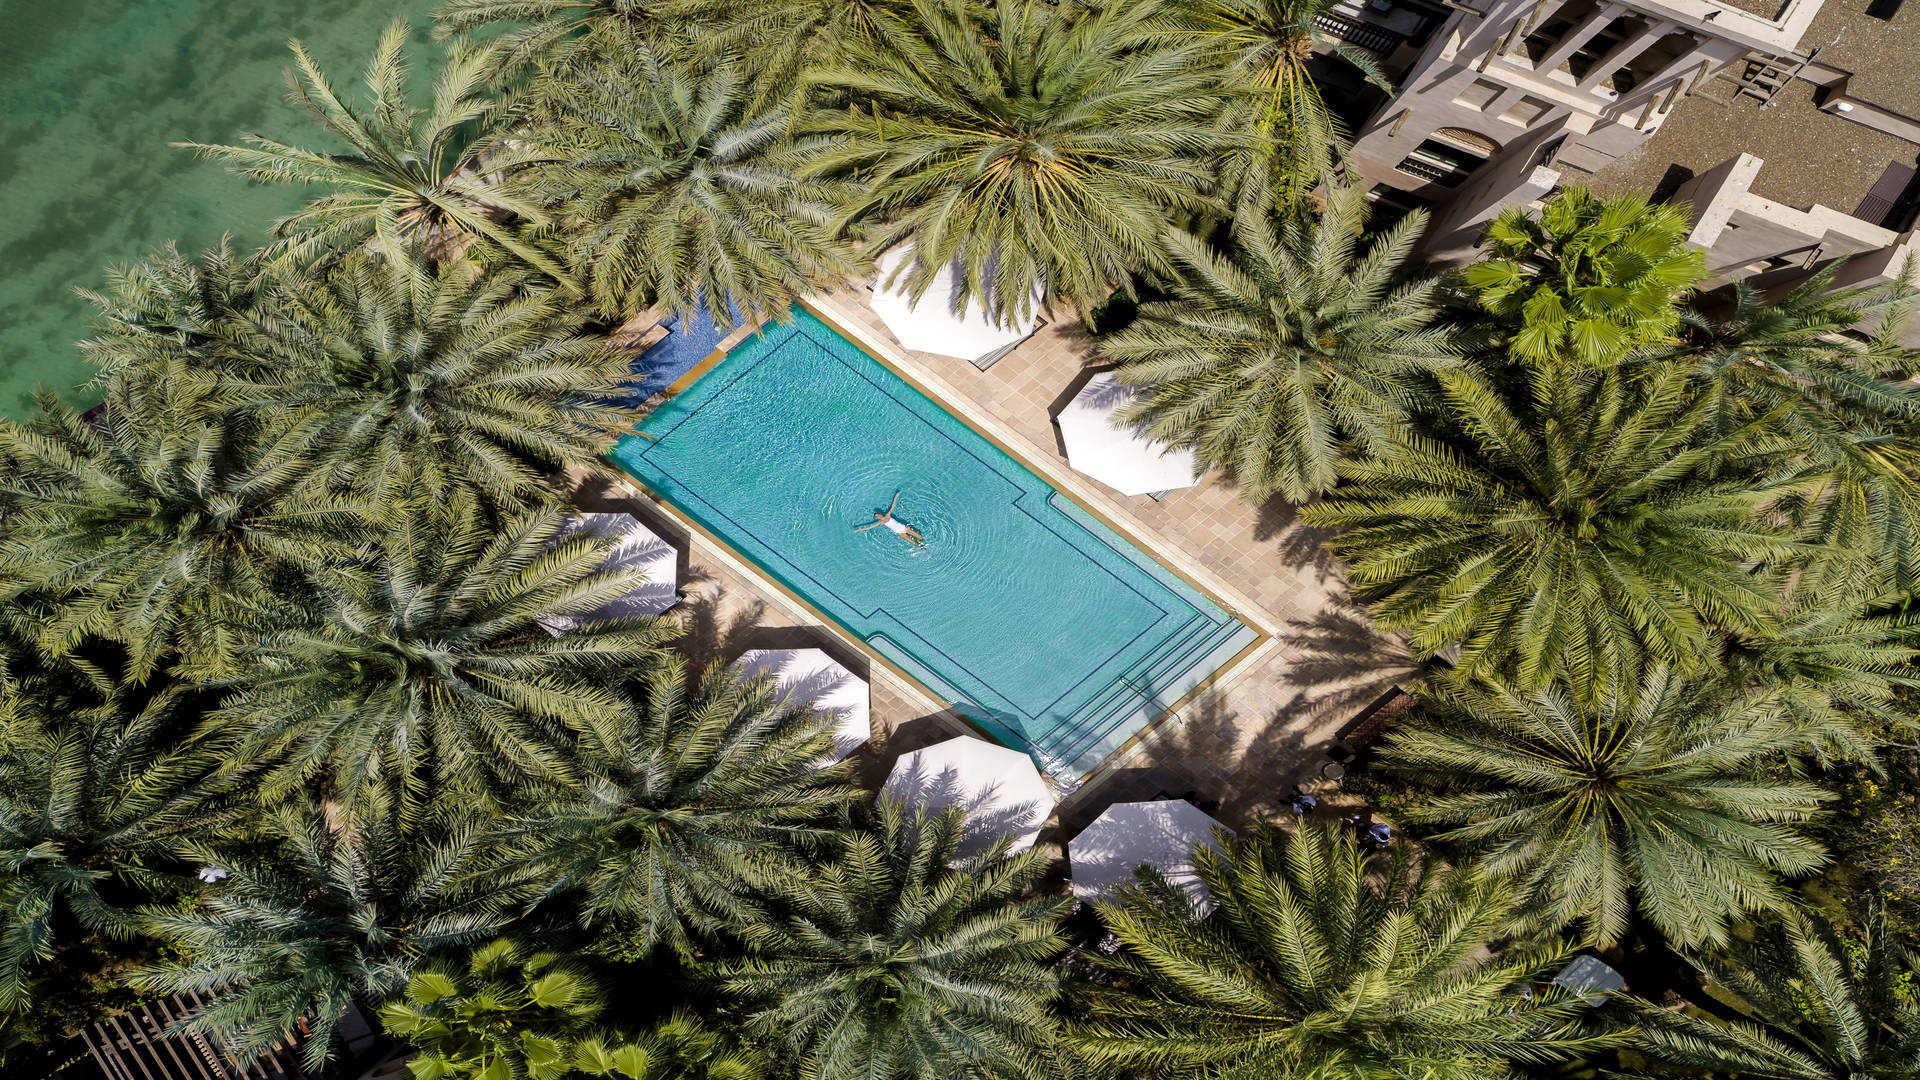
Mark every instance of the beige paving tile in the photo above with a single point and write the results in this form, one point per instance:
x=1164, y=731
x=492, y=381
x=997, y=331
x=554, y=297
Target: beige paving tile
x=1245, y=743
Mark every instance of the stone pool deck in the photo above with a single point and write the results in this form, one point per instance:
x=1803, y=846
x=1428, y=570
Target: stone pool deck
x=1243, y=742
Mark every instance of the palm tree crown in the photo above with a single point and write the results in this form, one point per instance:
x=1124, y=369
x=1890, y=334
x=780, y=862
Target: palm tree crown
x=692, y=796
x=1268, y=356
x=335, y=906
x=680, y=187
x=1267, y=44
x=778, y=39
x=1313, y=965
x=1600, y=523
x=429, y=669
x=502, y=1014
x=434, y=184
x=419, y=378
x=1661, y=799
x=1589, y=279
x=97, y=800
x=169, y=305
x=164, y=524
x=1811, y=1006
x=1051, y=147
x=900, y=961
x=551, y=26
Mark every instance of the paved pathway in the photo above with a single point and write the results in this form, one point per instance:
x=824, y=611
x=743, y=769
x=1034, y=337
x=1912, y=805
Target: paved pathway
x=1244, y=744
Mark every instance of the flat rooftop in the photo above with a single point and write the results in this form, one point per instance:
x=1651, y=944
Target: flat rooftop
x=1811, y=156
x=1882, y=53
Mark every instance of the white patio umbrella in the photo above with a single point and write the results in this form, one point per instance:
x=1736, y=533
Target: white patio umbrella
x=638, y=548
x=1121, y=458
x=1162, y=834
x=1002, y=792
x=936, y=324
x=810, y=675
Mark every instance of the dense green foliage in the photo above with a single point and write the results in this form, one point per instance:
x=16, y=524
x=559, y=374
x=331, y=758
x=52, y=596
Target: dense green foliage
x=1271, y=357
x=1315, y=964
x=1665, y=798
x=305, y=703
x=903, y=958
x=1811, y=1005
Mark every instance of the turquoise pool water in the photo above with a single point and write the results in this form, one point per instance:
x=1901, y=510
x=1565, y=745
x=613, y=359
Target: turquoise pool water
x=1049, y=629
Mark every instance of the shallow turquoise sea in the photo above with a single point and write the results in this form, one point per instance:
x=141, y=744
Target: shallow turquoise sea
x=91, y=93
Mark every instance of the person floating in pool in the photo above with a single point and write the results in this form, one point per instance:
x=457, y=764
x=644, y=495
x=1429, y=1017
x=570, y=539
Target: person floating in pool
x=898, y=528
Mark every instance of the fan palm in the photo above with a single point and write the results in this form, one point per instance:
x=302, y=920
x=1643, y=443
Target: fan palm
x=428, y=668
x=1811, y=1006
x=502, y=1014
x=681, y=1047
x=334, y=906
x=1602, y=523
x=778, y=39
x=1663, y=799
x=1051, y=147
x=1267, y=357
x=97, y=799
x=1314, y=967
x=162, y=522
x=1587, y=281
x=675, y=187
x=434, y=184
x=420, y=378
x=690, y=795
x=900, y=961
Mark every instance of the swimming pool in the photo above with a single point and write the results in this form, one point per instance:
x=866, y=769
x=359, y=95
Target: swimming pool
x=1025, y=612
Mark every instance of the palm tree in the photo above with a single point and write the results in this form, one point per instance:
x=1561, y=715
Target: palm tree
x=1809, y=1005
x=1051, y=146
x=1759, y=355
x=675, y=187
x=1831, y=652
x=1665, y=798
x=1587, y=281
x=691, y=795
x=1864, y=504
x=551, y=25
x=1314, y=966
x=427, y=668
x=420, y=379
x=1267, y=44
x=779, y=39
x=900, y=960
x=1841, y=399
x=436, y=185
x=169, y=304
x=681, y=1047
x=502, y=1013
x=97, y=798
x=1267, y=357
x=332, y=906
x=160, y=524
x=1598, y=524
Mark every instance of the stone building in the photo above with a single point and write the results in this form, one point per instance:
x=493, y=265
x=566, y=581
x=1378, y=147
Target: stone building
x=1499, y=102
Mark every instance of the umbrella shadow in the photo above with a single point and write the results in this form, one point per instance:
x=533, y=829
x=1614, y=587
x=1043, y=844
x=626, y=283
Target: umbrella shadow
x=991, y=813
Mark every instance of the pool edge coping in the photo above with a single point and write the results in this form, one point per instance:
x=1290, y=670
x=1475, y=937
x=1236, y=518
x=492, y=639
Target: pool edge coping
x=935, y=390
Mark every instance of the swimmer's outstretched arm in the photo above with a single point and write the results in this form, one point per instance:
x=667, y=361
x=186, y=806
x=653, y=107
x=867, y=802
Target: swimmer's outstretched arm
x=893, y=504
x=875, y=525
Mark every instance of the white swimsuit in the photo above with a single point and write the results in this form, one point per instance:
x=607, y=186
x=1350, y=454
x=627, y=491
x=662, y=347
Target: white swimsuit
x=895, y=527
